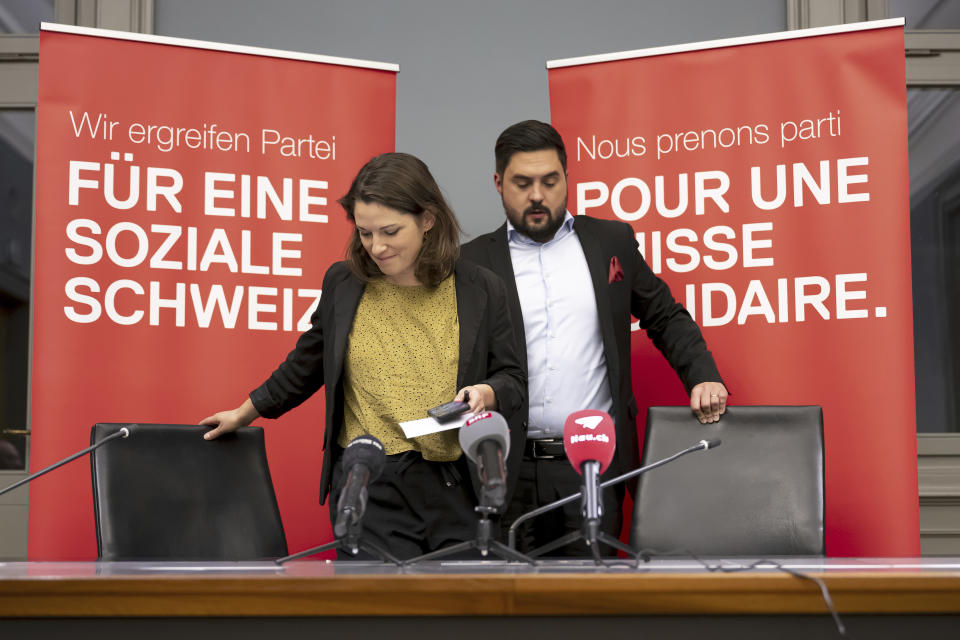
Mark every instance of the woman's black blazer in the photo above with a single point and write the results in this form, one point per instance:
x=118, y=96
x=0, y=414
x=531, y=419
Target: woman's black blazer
x=488, y=351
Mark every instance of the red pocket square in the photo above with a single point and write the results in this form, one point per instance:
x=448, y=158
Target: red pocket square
x=616, y=271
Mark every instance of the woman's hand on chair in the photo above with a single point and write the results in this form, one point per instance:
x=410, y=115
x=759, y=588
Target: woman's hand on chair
x=227, y=421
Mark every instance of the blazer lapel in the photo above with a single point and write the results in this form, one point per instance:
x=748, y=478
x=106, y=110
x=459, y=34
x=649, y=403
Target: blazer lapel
x=599, y=264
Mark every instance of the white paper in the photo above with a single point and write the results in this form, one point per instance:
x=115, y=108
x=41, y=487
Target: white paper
x=424, y=426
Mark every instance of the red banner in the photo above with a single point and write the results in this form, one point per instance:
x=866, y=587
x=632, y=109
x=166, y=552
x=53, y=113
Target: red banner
x=186, y=214
x=766, y=179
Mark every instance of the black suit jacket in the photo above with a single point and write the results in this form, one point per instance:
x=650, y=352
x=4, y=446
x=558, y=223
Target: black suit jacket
x=488, y=352
x=641, y=294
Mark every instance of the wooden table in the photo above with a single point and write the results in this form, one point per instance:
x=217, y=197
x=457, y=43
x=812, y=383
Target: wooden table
x=557, y=597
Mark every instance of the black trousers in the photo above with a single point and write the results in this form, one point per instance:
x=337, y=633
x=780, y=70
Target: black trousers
x=414, y=507
x=544, y=480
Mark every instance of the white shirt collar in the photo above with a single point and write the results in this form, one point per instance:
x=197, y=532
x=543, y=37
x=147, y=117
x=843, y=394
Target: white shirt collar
x=516, y=236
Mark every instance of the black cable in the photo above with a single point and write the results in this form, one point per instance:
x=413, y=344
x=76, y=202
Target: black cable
x=647, y=554
x=824, y=590
x=630, y=563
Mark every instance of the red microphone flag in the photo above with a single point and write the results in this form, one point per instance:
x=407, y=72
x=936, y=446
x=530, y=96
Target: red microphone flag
x=589, y=435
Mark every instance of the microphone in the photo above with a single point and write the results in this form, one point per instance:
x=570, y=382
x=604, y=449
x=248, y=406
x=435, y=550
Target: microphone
x=363, y=459
x=485, y=439
x=589, y=440
x=123, y=432
x=703, y=445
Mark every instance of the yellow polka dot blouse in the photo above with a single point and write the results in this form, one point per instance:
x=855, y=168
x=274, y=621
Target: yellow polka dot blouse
x=402, y=359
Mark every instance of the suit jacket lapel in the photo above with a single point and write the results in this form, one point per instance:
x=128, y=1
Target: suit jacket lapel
x=346, y=300
x=598, y=262
x=500, y=263
x=471, y=306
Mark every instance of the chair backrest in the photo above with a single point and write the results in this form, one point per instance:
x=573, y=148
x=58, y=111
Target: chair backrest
x=760, y=493
x=166, y=493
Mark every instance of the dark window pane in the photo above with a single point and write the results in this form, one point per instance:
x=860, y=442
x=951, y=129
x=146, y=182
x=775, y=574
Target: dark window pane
x=24, y=16
x=16, y=179
x=926, y=14
x=935, y=246
x=13, y=452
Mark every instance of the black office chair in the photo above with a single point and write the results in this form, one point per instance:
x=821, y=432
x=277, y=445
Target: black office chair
x=759, y=494
x=164, y=493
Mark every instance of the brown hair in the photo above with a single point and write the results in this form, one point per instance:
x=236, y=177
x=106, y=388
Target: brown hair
x=404, y=183
x=529, y=135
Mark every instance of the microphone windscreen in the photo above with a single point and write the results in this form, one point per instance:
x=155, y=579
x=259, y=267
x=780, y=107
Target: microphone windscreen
x=589, y=435
x=484, y=426
x=367, y=451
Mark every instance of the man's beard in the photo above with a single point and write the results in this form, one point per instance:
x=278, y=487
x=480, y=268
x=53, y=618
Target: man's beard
x=543, y=232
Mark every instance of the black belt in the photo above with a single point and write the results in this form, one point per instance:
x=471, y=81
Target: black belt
x=545, y=449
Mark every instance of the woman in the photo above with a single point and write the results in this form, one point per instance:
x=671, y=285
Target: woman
x=403, y=325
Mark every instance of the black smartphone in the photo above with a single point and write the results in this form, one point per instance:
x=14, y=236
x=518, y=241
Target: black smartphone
x=448, y=411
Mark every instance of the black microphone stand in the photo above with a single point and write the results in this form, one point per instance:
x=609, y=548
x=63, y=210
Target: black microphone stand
x=605, y=538
x=484, y=542
x=122, y=433
x=352, y=543
x=589, y=532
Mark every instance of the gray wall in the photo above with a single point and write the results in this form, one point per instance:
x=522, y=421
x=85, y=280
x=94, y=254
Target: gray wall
x=468, y=68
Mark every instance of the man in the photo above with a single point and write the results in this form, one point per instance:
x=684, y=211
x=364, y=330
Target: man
x=575, y=282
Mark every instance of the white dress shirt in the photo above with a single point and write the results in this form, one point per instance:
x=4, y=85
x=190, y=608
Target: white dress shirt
x=566, y=368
